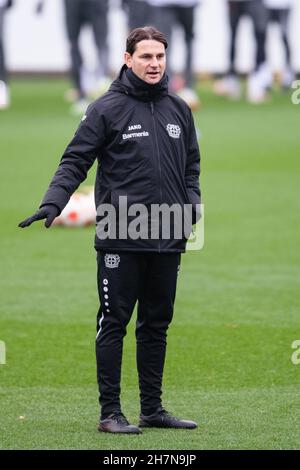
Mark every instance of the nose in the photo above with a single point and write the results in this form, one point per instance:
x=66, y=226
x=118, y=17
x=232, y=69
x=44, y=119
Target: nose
x=154, y=62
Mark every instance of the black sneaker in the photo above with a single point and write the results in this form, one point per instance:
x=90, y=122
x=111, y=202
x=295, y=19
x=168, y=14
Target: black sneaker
x=163, y=419
x=117, y=423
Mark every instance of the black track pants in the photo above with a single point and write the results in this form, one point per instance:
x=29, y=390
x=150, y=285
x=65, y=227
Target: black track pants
x=123, y=279
x=164, y=19
x=77, y=14
x=256, y=10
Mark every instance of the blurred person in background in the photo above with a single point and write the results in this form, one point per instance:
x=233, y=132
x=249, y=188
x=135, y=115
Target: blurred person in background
x=279, y=12
x=78, y=13
x=166, y=15
x=259, y=79
x=4, y=90
x=95, y=13
x=139, y=12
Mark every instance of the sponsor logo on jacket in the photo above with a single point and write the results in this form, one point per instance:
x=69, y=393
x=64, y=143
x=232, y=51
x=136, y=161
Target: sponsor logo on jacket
x=135, y=127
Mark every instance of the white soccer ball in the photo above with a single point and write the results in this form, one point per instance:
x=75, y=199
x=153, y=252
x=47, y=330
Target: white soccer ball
x=79, y=212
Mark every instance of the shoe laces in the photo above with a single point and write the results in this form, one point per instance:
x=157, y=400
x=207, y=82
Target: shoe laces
x=119, y=418
x=166, y=414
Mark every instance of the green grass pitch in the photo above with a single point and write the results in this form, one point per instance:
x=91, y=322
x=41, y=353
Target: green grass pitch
x=237, y=312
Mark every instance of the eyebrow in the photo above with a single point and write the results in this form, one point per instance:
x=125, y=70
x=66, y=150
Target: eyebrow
x=147, y=54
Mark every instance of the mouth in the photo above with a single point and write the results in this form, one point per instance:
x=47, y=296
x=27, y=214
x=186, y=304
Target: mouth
x=153, y=74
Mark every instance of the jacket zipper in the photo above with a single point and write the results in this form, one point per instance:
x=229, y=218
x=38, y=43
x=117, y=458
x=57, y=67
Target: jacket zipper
x=158, y=158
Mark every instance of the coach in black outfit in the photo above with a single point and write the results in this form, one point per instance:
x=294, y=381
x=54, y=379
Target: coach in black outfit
x=145, y=142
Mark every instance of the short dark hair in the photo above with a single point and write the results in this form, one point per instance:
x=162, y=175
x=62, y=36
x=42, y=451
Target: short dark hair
x=139, y=34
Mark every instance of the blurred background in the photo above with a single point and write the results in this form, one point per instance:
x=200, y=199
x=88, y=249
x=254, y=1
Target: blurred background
x=207, y=38
x=24, y=27
x=229, y=363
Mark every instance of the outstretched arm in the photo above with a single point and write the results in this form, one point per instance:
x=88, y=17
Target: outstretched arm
x=75, y=163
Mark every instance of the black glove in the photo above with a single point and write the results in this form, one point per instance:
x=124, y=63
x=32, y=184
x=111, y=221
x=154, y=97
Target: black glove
x=9, y=3
x=48, y=212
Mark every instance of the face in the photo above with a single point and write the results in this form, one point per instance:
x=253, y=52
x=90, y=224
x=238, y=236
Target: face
x=148, y=61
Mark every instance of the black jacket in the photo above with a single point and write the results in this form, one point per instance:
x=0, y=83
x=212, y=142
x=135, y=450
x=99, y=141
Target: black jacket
x=145, y=142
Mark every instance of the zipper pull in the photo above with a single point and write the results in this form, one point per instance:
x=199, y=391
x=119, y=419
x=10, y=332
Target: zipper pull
x=152, y=107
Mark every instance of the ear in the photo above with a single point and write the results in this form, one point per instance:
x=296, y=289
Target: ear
x=128, y=59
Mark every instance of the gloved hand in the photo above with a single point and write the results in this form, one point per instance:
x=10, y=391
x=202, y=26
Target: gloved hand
x=48, y=212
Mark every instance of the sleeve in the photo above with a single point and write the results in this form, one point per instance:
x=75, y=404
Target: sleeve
x=77, y=159
x=192, y=171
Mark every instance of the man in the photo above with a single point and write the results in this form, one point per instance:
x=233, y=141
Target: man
x=79, y=13
x=146, y=146
x=259, y=79
x=4, y=90
x=139, y=12
x=166, y=14
x=279, y=12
